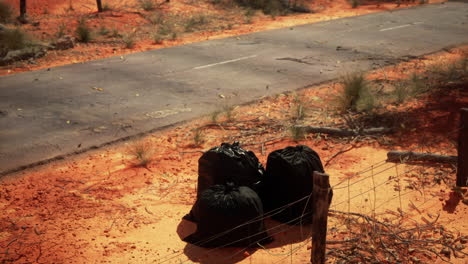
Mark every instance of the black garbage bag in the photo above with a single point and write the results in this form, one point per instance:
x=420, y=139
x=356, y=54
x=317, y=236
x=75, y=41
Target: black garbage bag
x=229, y=216
x=227, y=163
x=288, y=178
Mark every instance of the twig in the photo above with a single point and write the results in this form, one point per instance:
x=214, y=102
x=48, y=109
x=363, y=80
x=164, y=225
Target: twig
x=338, y=153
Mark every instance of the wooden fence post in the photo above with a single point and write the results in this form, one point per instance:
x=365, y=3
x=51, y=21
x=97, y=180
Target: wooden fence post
x=321, y=199
x=99, y=5
x=462, y=171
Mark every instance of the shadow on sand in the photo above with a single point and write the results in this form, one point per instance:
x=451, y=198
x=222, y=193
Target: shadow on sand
x=281, y=233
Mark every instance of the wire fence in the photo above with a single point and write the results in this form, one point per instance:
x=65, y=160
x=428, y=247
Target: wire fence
x=367, y=177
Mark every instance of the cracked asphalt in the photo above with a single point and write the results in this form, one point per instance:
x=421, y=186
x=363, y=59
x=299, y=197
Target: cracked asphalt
x=49, y=113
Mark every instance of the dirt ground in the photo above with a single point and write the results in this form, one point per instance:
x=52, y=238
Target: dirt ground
x=125, y=20
x=110, y=206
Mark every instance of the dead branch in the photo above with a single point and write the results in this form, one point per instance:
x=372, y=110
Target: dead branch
x=397, y=242
x=345, y=132
x=409, y=156
x=341, y=151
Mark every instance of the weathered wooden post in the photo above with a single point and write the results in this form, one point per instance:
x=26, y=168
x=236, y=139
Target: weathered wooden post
x=321, y=199
x=22, y=17
x=462, y=171
x=99, y=5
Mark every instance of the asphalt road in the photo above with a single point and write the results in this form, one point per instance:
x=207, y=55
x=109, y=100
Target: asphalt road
x=62, y=110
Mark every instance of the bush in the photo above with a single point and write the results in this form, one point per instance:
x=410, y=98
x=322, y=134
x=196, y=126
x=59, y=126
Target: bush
x=83, y=31
x=147, y=5
x=106, y=7
x=6, y=12
x=194, y=23
x=402, y=92
x=13, y=39
x=103, y=31
x=155, y=18
x=267, y=6
x=61, y=30
x=356, y=94
x=129, y=40
x=158, y=38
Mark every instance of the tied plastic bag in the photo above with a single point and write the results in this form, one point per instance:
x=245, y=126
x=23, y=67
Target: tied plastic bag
x=288, y=178
x=227, y=163
x=229, y=216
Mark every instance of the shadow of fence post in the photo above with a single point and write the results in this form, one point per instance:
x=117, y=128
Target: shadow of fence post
x=321, y=198
x=462, y=171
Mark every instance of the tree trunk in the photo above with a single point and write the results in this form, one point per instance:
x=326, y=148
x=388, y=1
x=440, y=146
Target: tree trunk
x=99, y=5
x=22, y=16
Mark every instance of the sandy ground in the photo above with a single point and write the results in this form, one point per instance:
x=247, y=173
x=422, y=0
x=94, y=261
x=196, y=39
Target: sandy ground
x=50, y=18
x=102, y=207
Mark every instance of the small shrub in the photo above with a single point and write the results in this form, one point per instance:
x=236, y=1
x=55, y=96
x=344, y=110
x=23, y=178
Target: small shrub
x=147, y=5
x=115, y=33
x=198, y=138
x=297, y=133
x=402, y=92
x=6, y=12
x=13, y=39
x=229, y=113
x=214, y=116
x=106, y=7
x=165, y=29
x=417, y=84
x=355, y=3
x=155, y=18
x=249, y=14
x=103, y=31
x=61, y=30
x=129, y=40
x=157, y=38
x=299, y=109
x=83, y=31
x=356, y=94
x=174, y=36
x=141, y=154
x=194, y=23
x=275, y=8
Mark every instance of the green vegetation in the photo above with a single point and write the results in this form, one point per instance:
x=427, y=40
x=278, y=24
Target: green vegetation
x=297, y=133
x=83, y=31
x=198, y=138
x=195, y=23
x=141, y=154
x=147, y=5
x=355, y=3
x=106, y=7
x=267, y=6
x=6, y=12
x=115, y=33
x=13, y=39
x=129, y=40
x=214, y=116
x=155, y=18
x=298, y=108
x=157, y=38
x=103, y=31
x=356, y=94
x=61, y=30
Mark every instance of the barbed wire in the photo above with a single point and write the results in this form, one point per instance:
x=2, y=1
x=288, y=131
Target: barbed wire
x=256, y=219
x=253, y=235
x=279, y=210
